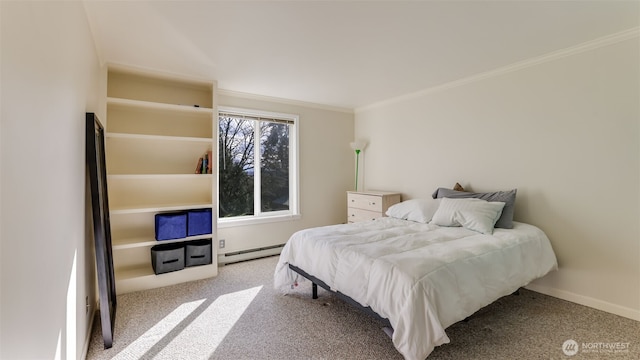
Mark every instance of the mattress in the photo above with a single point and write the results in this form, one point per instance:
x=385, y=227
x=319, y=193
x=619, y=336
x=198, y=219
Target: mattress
x=422, y=277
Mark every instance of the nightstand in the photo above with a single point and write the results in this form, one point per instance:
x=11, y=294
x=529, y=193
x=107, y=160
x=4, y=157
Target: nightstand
x=369, y=205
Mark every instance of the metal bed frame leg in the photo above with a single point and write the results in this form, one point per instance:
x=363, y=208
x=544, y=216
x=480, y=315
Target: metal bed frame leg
x=314, y=294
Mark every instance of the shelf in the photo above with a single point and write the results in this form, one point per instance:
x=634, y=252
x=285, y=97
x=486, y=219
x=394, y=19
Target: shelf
x=137, y=230
x=131, y=243
x=135, y=85
x=138, y=137
x=158, y=106
x=143, y=277
x=159, y=208
x=150, y=154
x=147, y=118
x=160, y=191
x=147, y=271
x=157, y=176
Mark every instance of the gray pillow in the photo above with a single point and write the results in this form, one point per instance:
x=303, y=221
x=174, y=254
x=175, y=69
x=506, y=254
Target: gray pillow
x=507, y=197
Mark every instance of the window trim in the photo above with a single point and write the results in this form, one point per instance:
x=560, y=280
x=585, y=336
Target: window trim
x=294, y=185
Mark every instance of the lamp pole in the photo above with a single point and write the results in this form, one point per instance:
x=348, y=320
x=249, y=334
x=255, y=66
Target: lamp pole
x=358, y=146
x=357, y=166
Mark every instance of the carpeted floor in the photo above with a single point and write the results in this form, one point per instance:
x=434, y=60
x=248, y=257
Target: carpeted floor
x=238, y=315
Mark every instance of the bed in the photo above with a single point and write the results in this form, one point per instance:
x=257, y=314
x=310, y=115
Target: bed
x=416, y=273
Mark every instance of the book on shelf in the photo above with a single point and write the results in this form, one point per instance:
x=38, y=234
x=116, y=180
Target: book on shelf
x=205, y=161
x=205, y=164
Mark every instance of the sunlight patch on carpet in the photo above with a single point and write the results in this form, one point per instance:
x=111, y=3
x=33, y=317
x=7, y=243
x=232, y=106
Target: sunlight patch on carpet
x=201, y=338
x=194, y=329
x=158, y=332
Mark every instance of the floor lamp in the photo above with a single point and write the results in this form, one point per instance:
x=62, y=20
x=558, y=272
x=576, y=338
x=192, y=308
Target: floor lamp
x=358, y=146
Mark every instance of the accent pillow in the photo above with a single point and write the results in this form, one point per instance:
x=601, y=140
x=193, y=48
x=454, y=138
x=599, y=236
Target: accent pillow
x=418, y=210
x=508, y=197
x=473, y=214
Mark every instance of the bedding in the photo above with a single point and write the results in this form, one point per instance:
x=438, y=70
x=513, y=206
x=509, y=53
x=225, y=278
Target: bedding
x=418, y=210
x=421, y=277
x=508, y=197
x=474, y=214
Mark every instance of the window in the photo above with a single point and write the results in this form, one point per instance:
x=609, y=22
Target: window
x=257, y=166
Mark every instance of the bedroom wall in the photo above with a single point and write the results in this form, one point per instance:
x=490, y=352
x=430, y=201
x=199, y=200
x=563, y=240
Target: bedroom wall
x=50, y=75
x=562, y=129
x=326, y=170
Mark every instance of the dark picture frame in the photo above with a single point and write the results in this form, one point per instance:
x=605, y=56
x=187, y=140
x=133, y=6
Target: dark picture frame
x=96, y=166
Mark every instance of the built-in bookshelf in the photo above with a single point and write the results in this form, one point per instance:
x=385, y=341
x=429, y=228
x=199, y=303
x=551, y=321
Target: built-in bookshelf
x=158, y=127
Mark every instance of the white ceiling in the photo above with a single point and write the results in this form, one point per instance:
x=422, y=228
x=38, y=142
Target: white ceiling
x=344, y=53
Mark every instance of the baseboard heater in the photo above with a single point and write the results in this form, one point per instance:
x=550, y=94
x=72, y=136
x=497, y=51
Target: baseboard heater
x=251, y=254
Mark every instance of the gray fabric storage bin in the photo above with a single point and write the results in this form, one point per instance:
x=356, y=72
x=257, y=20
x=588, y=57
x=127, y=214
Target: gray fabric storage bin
x=167, y=258
x=198, y=252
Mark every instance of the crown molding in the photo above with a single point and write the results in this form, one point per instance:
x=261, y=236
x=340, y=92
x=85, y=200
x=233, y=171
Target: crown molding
x=576, y=49
x=301, y=103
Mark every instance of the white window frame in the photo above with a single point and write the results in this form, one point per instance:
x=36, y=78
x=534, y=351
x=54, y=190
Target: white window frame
x=294, y=194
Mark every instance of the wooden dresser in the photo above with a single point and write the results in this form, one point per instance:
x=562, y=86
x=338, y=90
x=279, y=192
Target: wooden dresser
x=369, y=205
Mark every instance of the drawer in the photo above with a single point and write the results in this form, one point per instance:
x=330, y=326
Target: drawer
x=365, y=202
x=355, y=215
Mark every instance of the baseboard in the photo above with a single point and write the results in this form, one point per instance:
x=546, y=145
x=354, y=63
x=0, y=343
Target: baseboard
x=633, y=314
x=87, y=340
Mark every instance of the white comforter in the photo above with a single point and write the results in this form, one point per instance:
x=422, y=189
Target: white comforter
x=422, y=277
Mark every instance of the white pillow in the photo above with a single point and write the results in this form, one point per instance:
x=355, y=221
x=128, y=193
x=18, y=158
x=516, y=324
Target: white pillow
x=419, y=210
x=474, y=214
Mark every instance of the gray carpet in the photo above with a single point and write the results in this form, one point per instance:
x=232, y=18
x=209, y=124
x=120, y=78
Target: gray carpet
x=238, y=315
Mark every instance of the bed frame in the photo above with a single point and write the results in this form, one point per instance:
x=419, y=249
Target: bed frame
x=314, y=294
x=367, y=310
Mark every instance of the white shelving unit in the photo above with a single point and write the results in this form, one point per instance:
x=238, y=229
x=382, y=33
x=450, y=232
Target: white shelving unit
x=157, y=128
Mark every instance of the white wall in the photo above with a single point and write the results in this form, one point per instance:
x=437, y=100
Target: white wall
x=326, y=171
x=563, y=131
x=50, y=75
